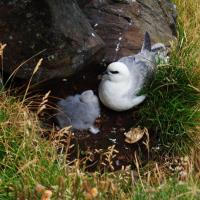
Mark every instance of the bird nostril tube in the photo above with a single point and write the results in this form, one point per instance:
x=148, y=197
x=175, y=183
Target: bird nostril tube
x=105, y=72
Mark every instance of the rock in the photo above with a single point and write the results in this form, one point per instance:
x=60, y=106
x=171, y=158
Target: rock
x=55, y=30
x=122, y=23
x=68, y=40
x=1, y=82
x=82, y=3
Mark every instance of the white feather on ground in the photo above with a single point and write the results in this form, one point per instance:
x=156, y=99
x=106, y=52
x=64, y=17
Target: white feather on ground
x=80, y=111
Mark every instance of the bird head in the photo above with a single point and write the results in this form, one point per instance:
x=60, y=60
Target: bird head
x=88, y=97
x=117, y=72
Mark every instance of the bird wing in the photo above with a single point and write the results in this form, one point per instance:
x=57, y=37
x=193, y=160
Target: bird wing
x=141, y=68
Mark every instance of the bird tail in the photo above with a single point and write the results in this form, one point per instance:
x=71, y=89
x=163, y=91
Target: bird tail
x=147, y=42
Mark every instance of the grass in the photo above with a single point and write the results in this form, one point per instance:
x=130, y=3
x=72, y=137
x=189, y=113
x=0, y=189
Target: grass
x=173, y=109
x=23, y=153
x=28, y=160
x=30, y=165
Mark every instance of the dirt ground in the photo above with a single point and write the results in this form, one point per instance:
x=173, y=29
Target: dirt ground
x=107, y=149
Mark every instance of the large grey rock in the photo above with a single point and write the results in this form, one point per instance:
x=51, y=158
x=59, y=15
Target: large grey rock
x=122, y=24
x=69, y=40
x=58, y=28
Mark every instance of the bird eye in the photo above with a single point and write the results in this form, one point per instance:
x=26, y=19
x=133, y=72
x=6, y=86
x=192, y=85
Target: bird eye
x=114, y=72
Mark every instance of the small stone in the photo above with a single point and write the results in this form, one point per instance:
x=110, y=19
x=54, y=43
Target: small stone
x=64, y=79
x=38, y=35
x=28, y=15
x=113, y=140
x=117, y=162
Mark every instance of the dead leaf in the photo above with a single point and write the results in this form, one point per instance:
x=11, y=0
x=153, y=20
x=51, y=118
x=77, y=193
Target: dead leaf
x=46, y=195
x=134, y=135
x=91, y=194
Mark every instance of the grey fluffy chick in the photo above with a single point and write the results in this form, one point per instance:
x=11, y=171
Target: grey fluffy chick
x=120, y=85
x=79, y=111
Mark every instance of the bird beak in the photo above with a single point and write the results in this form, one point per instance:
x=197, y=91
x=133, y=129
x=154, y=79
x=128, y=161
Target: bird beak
x=105, y=72
x=101, y=75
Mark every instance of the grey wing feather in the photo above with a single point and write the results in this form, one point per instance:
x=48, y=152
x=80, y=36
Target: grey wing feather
x=141, y=67
x=128, y=61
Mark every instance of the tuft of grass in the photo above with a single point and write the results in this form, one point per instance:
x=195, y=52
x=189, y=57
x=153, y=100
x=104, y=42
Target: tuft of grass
x=173, y=107
x=25, y=158
x=30, y=165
